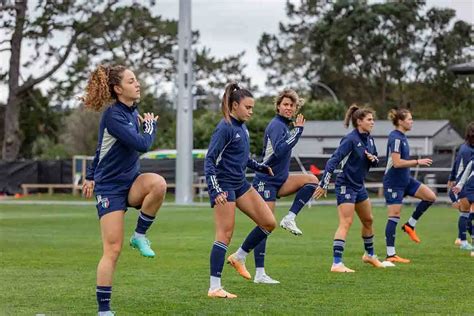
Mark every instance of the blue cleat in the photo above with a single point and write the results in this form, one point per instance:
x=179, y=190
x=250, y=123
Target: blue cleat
x=143, y=245
x=468, y=247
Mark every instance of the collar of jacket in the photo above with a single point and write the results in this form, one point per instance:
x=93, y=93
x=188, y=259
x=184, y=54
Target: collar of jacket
x=285, y=120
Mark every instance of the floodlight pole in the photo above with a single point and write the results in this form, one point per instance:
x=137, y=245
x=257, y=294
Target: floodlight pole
x=184, y=126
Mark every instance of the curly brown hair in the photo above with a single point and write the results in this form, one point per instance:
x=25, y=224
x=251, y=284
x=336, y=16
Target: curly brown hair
x=292, y=95
x=100, y=87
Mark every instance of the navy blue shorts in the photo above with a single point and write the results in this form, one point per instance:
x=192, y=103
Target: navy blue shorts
x=232, y=194
x=348, y=194
x=396, y=195
x=268, y=191
x=111, y=202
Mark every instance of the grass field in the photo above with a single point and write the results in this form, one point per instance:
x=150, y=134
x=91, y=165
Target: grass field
x=49, y=255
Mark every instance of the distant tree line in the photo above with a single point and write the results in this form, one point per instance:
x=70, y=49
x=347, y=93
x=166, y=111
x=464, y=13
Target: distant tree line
x=383, y=55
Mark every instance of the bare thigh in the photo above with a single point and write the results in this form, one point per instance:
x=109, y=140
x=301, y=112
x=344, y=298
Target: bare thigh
x=111, y=228
x=252, y=204
x=143, y=185
x=425, y=193
x=295, y=182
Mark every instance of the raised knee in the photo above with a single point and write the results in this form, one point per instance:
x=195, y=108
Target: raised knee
x=159, y=185
x=432, y=197
x=312, y=179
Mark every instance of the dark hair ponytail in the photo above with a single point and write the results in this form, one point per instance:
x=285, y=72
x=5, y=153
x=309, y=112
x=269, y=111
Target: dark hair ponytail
x=233, y=93
x=354, y=113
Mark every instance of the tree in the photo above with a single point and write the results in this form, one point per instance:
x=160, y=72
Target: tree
x=367, y=53
x=101, y=33
x=69, y=18
x=146, y=43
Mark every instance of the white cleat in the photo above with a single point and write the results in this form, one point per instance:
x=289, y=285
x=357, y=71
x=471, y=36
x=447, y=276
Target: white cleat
x=388, y=264
x=290, y=225
x=265, y=279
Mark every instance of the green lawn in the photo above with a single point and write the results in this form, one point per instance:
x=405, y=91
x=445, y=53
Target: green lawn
x=49, y=255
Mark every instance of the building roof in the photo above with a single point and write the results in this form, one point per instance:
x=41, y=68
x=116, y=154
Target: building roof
x=421, y=128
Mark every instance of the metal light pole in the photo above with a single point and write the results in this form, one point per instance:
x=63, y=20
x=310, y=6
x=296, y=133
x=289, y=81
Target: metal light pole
x=184, y=127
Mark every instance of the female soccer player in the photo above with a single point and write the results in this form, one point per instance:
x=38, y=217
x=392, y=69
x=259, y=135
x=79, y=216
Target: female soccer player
x=355, y=155
x=398, y=183
x=465, y=191
x=114, y=174
x=278, y=142
x=226, y=161
x=463, y=157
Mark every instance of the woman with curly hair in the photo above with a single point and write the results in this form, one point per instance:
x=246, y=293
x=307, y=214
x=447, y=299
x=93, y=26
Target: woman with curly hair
x=114, y=175
x=281, y=135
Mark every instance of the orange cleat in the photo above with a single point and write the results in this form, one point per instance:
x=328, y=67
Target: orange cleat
x=398, y=259
x=411, y=233
x=457, y=242
x=220, y=293
x=373, y=260
x=340, y=267
x=239, y=266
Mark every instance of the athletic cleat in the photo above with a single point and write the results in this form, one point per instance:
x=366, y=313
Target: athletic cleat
x=472, y=253
x=411, y=233
x=290, y=225
x=340, y=267
x=373, y=260
x=398, y=259
x=239, y=266
x=265, y=279
x=107, y=313
x=220, y=293
x=457, y=242
x=468, y=247
x=388, y=264
x=143, y=245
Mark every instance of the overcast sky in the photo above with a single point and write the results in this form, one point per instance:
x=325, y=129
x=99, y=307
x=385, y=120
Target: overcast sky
x=230, y=26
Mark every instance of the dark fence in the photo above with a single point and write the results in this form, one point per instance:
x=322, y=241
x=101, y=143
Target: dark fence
x=13, y=174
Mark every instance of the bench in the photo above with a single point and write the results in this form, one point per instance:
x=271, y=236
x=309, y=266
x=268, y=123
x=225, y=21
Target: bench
x=51, y=187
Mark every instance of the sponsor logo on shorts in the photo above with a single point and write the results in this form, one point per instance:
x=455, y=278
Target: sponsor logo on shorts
x=347, y=196
x=394, y=195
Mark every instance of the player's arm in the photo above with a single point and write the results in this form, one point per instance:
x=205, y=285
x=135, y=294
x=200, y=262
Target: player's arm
x=465, y=177
x=344, y=149
x=121, y=128
x=260, y=167
x=88, y=183
x=374, y=160
x=284, y=143
x=219, y=139
x=398, y=162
